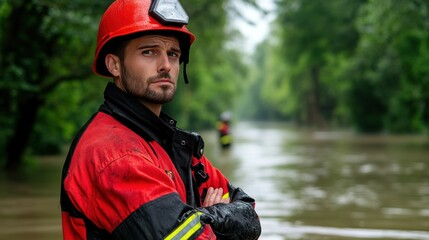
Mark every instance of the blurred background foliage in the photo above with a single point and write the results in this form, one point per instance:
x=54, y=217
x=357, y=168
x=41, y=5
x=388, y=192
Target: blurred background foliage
x=355, y=64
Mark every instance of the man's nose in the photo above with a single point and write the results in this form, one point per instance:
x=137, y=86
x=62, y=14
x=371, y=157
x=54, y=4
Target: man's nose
x=164, y=63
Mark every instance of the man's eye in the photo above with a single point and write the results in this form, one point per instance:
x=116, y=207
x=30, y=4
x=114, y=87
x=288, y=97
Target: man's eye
x=147, y=52
x=174, y=54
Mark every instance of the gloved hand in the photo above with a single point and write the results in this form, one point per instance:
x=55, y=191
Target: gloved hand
x=232, y=221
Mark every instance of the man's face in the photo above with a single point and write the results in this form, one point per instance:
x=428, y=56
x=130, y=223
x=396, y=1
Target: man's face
x=150, y=68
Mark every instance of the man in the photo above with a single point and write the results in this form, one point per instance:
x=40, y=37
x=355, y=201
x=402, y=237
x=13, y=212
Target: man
x=225, y=138
x=130, y=172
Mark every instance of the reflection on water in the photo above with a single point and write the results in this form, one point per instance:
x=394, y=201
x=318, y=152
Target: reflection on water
x=308, y=185
x=330, y=185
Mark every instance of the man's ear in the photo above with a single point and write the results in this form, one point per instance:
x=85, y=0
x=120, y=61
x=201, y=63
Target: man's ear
x=113, y=64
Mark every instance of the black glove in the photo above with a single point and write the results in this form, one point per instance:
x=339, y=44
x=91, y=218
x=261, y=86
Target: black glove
x=232, y=221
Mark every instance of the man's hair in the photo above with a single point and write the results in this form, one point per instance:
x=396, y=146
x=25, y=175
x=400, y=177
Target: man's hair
x=119, y=50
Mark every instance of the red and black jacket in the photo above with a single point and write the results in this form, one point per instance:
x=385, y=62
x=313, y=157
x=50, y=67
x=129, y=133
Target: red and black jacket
x=130, y=174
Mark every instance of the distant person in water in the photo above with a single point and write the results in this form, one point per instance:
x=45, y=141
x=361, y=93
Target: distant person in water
x=225, y=138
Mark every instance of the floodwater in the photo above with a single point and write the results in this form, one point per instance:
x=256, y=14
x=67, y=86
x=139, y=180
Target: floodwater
x=331, y=185
x=308, y=185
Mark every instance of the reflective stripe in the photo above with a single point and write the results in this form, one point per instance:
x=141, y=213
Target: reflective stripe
x=226, y=139
x=187, y=228
x=225, y=196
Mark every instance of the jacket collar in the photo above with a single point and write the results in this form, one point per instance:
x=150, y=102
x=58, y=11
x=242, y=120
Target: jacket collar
x=130, y=112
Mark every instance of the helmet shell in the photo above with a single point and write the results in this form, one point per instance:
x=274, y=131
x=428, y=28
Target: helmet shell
x=131, y=17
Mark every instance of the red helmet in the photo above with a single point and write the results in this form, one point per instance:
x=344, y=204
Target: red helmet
x=130, y=17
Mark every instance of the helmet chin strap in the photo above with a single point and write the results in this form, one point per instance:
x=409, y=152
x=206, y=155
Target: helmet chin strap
x=185, y=75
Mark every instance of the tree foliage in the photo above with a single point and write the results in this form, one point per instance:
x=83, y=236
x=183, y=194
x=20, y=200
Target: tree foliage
x=355, y=63
x=389, y=73
x=310, y=35
x=43, y=44
x=48, y=89
x=358, y=63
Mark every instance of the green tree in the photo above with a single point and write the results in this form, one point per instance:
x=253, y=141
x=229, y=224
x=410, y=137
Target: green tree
x=48, y=89
x=389, y=73
x=261, y=100
x=43, y=44
x=311, y=34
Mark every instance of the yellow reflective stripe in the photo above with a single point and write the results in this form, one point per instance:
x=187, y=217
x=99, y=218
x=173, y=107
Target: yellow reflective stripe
x=187, y=228
x=191, y=231
x=225, y=196
x=226, y=139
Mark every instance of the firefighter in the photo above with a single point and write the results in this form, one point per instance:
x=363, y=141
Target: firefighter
x=225, y=138
x=130, y=172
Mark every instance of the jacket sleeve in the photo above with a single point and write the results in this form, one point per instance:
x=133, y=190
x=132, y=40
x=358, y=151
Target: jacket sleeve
x=133, y=199
x=236, y=220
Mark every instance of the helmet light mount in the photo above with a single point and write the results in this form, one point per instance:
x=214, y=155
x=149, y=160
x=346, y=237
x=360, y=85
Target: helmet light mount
x=169, y=12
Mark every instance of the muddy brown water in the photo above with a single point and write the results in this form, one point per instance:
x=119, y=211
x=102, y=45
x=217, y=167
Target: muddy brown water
x=308, y=185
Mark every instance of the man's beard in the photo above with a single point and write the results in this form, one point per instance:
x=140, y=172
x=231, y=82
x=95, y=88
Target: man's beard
x=138, y=87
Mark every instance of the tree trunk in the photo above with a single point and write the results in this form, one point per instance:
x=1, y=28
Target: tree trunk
x=315, y=117
x=17, y=143
x=23, y=35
